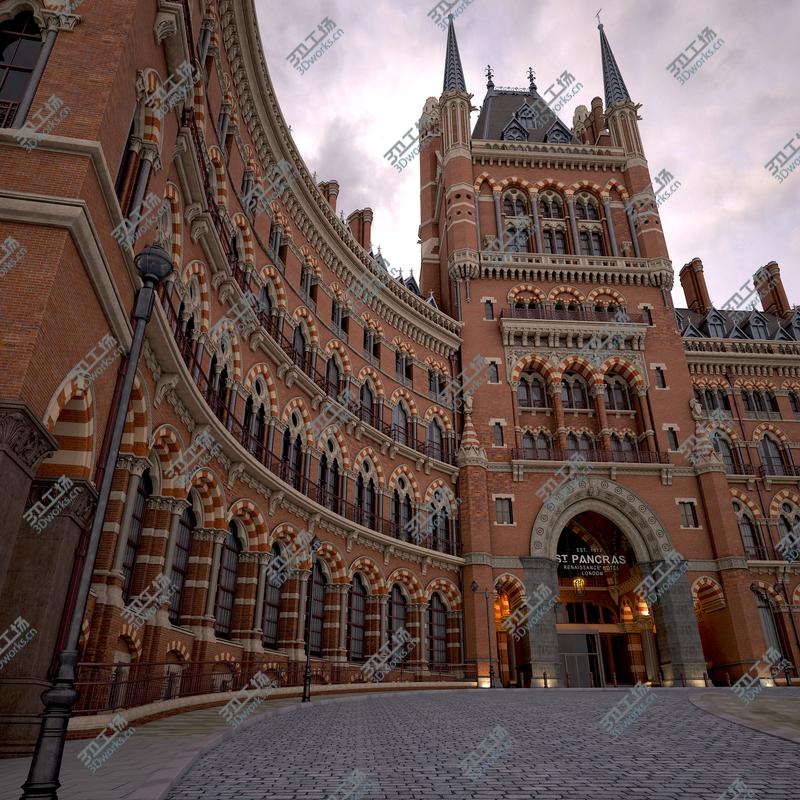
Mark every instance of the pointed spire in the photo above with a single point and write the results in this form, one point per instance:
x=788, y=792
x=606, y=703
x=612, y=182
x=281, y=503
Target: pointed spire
x=616, y=90
x=453, y=73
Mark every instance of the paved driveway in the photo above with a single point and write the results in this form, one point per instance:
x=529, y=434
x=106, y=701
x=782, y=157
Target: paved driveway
x=549, y=745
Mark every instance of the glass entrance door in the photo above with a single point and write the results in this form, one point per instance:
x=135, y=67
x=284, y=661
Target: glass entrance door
x=581, y=659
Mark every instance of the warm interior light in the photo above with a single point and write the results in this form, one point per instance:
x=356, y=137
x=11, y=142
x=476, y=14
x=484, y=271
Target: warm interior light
x=484, y=683
x=579, y=585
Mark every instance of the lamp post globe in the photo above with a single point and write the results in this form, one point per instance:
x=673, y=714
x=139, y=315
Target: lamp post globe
x=153, y=263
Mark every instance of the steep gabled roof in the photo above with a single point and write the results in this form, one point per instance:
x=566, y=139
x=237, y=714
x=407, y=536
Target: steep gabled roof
x=519, y=115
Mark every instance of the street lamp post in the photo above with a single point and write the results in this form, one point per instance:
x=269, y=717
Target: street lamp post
x=486, y=593
x=154, y=266
x=310, y=599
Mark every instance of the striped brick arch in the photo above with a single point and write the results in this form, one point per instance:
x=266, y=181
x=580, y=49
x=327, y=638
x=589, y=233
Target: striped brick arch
x=444, y=490
x=370, y=571
x=252, y=520
x=796, y=596
x=404, y=394
x=736, y=494
x=603, y=292
x=299, y=404
x=167, y=447
x=619, y=366
x=220, y=181
x=526, y=290
x=70, y=418
x=512, y=587
x=178, y=647
x=240, y=221
x=234, y=358
x=228, y=658
x=372, y=324
x=614, y=184
x=152, y=121
x=375, y=380
x=369, y=454
x=407, y=579
x=580, y=365
x=262, y=370
x=172, y=196
x=765, y=427
x=335, y=346
x=441, y=415
x=135, y=437
x=251, y=162
x=568, y=293
x=708, y=594
x=333, y=431
x=330, y=555
x=197, y=269
x=404, y=346
x=485, y=177
x=448, y=590
x=209, y=490
x=783, y=496
x=537, y=363
x=548, y=183
x=131, y=638
x=310, y=325
x=586, y=186
x=435, y=364
x=406, y=472
x=271, y=275
x=199, y=107
x=776, y=599
x=285, y=533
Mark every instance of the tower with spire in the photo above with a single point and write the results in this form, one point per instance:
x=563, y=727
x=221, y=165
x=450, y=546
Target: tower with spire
x=537, y=235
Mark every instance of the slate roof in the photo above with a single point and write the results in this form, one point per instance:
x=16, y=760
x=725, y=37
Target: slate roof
x=737, y=324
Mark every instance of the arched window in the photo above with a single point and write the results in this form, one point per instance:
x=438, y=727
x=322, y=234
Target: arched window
x=625, y=448
x=528, y=445
x=315, y=607
x=272, y=607
x=226, y=583
x=134, y=540
x=292, y=458
x=758, y=328
x=266, y=308
x=329, y=480
x=751, y=536
x=299, y=347
x=340, y=318
x=532, y=392
x=543, y=446
x=574, y=392
x=555, y=241
x=794, y=402
x=716, y=330
x=550, y=207
x=591, y=243
x=618, y=395
x=366, y=400
x=355, y=619
x=21, y=42
x=514, y=204
x=400, y=424
x=396, y=611
x=729, y=456
x=333, y=377
x=180, y=562
x=435, y=439
x=773, y=457
x=582, y=444
x=437, y=627
x=789, y=520
x=366, y=500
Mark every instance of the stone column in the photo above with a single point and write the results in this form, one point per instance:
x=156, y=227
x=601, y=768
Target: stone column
x=331, y=620
x=634, y=237
x=676, y=629
x=499, y=220
x=416, y=626
x=376, y=623
x=24, y=443
x=537, y=225
x=542, y=636
x=343, y=589
x=136, y=469
x=258, y=620
x=217, y=537
x=303, y=577
x=647, y=422
x=454, y=637
x=244, y=607
x=612, y=236
x=291, y=621
x=599, y=394
x=558, y=411
x=573, y=225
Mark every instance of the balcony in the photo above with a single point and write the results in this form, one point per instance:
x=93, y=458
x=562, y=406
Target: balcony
x=594, y=456
x=547, y=311
x=8, y=111
x=778, y=469
x=755, y=414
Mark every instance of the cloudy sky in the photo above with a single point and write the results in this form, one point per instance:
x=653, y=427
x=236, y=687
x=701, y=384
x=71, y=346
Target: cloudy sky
x=715, y=133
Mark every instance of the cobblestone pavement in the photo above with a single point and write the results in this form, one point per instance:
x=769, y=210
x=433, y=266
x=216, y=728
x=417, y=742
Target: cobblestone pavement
x=415, y=745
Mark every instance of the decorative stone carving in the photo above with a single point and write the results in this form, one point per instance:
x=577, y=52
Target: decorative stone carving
x=24, y=437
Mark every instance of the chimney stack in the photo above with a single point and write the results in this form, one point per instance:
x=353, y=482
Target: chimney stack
x=769, y=286
x=360, y=223
x=330, y=191
x=694, y=287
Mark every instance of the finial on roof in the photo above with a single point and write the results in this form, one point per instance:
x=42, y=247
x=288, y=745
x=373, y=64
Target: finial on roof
x=599, y=24
x=616, y=90
x=532, y=79
x=489, y=76
x=453, y=72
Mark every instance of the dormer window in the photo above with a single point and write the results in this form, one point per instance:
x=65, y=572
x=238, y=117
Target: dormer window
x=716, y=330
x=758, y=328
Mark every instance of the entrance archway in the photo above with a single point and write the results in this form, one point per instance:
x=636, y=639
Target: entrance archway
x=680, y=653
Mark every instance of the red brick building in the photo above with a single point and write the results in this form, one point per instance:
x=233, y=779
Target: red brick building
x=326, y=410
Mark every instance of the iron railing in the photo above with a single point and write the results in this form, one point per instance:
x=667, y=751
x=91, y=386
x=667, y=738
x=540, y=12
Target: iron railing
x=548, y=311
x=597, y=455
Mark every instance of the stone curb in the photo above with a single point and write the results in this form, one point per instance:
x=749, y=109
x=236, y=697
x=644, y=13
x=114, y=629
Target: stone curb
x=778, y=731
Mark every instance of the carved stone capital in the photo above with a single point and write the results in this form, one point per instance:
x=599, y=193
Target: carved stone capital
x=59, y=21
x=132, y=464
x=23, y=437
x=210, y=535
x=78, y=503
x=250, y=557
x=158, y=503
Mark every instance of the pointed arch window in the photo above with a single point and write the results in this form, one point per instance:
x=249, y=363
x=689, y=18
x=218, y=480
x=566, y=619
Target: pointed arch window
x=20, y=46
x=574, y=392
x=794, y=402
x=437, y=627
x=366, y=399
x=617, y=394
x=774, y=457
x=366, y=500
x=555, y=241
x=333, y=377
x=400, y=424
x=292, y=458
x=715, y=328
x=272, y=607
x=134, y=540
x=435, y=440
x=180, y=562
x=758, y=328
x=330, y=482
x=396, y=612
x=751, y=536
x=729, y=456
x=299, y=346
x=356, y=611
x=531, y=392
x=226, y=583
x=528, y=445
x=315, y=608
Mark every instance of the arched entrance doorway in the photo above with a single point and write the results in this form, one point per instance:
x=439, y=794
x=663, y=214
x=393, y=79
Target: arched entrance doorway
x=679, y=653
x=513, y=652
x=605, y=631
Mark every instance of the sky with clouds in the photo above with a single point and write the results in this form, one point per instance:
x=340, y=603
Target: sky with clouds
x=715, y=133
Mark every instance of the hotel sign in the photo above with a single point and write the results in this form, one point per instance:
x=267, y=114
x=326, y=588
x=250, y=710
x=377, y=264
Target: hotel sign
x=585, y=561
